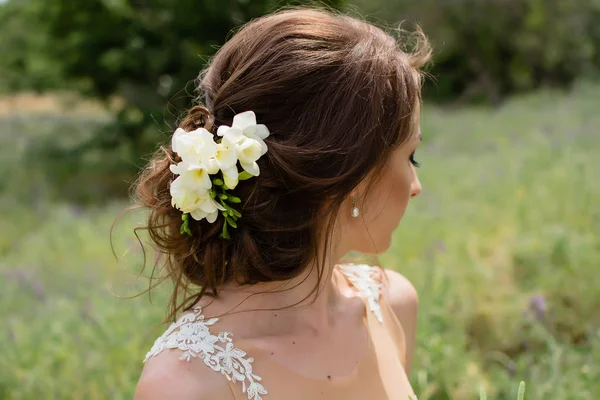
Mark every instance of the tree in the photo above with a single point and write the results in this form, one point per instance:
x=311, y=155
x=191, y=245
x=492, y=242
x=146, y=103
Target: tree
x=27, y=62
x=147, y=52
x=486, y=50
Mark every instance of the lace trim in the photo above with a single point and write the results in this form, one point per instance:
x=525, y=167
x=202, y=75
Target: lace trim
x=190, y=334
x=361, y=276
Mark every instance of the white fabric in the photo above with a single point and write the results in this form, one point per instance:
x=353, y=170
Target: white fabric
x=191, y=335
x=361, y=276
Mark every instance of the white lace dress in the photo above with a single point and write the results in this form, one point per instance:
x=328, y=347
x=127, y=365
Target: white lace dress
x=379, y=375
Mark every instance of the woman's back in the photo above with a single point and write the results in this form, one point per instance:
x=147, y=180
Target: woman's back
x=302, y=154
x=249, y=371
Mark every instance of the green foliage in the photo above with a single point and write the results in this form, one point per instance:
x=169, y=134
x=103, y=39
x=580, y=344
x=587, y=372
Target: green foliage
x=488, y=49
x=27, y=62
x=502, y=247
x=146, y=53
x=520, y=395
x=508, y=216
x=219, y=191
x=185, y=225
x=48, y=146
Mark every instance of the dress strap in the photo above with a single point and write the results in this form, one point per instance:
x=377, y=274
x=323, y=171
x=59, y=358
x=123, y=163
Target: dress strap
x=191, y=335
x=362, y=277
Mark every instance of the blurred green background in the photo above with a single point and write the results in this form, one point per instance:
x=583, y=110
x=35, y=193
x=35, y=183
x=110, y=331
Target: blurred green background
x=503, y=245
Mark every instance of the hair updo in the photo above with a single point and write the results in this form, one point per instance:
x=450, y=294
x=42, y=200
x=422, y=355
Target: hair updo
x=337, y=94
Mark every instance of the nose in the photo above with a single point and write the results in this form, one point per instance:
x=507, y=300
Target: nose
x=415, y=187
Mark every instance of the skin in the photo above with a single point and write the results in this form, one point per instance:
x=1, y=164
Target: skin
x=331, y=325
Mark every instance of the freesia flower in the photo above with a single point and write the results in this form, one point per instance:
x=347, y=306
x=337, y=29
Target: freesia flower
x=193, y=200
x=184, y=196
x=195, y=176
x=192, y=191
x=230, y=176
x=207, y=208
x=248, y=151
x=244, y=125
x=195, y=147
x=226, y=159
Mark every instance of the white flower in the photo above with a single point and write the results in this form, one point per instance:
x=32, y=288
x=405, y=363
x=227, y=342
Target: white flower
x=196, y=177
x=226, y=159
x=190, y=197
x=184, y=195
x=207, y=208
x=248, y=137
x=246, y=122
x=230, y=176
x=248, y=151
x=202, y=157
x=195, y=147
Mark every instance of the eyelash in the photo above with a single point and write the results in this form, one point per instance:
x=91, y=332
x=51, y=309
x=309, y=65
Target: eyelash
x=413, y=161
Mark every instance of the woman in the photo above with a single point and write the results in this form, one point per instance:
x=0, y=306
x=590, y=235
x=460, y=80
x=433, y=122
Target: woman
x=303, y=153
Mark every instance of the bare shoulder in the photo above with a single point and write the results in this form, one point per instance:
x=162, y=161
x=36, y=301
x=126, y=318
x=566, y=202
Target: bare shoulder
x=404, y=301
x=402, y=295
x=166, y=376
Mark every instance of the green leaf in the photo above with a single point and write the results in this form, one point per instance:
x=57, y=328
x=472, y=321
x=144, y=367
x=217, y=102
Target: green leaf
x=230, y=212
x=224, y=232
x=521, y=393
x=218, y=182
x=234, y=199
x=231, y=222
x=185, y=227
x=244, y=176
x=236, y=213
x=482, y=395
x=224, y=213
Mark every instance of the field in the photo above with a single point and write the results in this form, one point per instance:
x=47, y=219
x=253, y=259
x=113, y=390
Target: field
x=503, y=246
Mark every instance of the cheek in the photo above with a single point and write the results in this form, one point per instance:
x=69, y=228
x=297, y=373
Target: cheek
x=384, y=211
x=399, y=183
x=401, y=195
x=394, y=196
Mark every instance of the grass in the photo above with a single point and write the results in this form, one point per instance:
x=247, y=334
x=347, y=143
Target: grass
x=503, y=246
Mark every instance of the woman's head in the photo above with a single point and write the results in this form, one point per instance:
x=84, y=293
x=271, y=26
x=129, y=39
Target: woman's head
x=341, y=100
x=383, y=205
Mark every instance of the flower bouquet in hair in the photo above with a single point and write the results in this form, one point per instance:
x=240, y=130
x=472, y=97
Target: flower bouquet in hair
x=208, y=169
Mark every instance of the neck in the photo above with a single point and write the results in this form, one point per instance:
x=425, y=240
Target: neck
x=288, y=305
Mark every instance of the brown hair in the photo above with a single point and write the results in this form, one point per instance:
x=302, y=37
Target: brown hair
x=337, y=94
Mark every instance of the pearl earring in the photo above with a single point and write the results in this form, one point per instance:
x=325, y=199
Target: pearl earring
x=355, y=212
